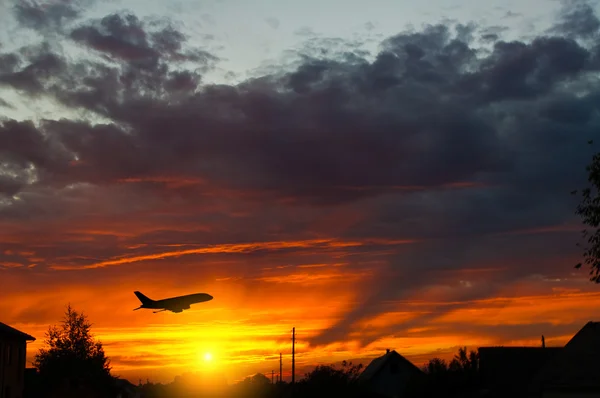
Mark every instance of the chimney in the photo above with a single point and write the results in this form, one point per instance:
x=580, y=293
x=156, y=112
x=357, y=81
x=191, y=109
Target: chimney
x=543, y=342
x=387, y=350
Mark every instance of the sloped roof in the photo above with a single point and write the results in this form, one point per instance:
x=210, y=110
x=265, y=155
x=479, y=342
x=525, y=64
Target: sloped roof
x=124, y=384
x=378, y=363
x=10, y=331
x=577, y=365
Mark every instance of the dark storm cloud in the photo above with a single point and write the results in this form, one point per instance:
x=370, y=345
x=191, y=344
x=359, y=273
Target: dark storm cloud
x=32, y=68
x=121, y=37
x=492, y=33
x=8, y=62
x=126, y=38
x=23, y=148
x=147, y=56
x=489, y=37
x=434, y=139
x=48, y=15
x=307, y=133
x=578, y=20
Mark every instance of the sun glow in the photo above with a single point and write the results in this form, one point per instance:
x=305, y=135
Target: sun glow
x=208, y=357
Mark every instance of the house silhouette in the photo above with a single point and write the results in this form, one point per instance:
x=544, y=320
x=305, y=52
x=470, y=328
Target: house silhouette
x=390, y=375
x=575, y=371
x=541, y=372
x=13, y=351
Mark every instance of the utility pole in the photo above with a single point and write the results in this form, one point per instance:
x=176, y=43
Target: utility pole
x=280, y=368
x=293, y=355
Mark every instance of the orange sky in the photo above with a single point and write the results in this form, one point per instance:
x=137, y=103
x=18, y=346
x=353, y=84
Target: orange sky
x=258, y=301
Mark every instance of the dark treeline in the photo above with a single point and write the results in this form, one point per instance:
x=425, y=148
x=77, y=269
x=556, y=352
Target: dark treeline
x=73, y=364
x=458, y=378
x=322, y=381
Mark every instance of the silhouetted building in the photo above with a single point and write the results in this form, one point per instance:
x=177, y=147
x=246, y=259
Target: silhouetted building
x=13, y=351
x=391, y=375
x=509, y=370
x=544, y=372
x=575, y=371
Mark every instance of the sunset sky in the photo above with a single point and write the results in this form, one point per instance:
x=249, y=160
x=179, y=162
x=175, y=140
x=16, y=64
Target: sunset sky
x=378, y=174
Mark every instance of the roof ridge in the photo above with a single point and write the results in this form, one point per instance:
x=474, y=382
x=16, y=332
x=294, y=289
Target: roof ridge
x=10, y=330
x=377, y=363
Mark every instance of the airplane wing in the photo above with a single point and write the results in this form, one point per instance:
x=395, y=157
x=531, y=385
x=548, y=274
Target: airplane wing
x=177, y=309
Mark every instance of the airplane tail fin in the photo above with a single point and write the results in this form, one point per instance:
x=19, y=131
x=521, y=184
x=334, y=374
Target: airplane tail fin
x=142, y=298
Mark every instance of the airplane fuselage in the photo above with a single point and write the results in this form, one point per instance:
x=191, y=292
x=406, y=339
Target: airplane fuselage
x=174, y=304
x=186, y=300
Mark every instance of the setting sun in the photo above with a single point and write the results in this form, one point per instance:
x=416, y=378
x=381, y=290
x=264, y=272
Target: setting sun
x=208, y=357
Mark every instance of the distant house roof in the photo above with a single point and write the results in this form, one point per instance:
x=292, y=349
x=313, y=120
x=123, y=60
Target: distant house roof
x=378, y=363
x=124, y=384
x=576, y=366
x=10, y=331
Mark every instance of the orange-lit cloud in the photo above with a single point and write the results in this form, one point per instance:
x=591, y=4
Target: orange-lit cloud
x=239, y=248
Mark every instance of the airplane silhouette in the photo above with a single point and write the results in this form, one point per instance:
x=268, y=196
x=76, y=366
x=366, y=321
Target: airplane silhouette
x=173, y=304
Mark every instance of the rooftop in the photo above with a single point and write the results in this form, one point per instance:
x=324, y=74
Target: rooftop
x=10, y=331
x=377, y=364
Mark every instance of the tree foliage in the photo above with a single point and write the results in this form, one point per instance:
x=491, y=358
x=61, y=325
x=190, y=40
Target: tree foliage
x=256, y=386
x=589, y=210
x=330, y=380
x=72, y=357
x=347, y=373
x=459, y=375
x=435, y=366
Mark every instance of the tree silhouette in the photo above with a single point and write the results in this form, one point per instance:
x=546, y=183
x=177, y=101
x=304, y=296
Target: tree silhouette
x=329, y=380
x=256, y=386
x=437, y=376
x=435, y=367
x=73, y=359
x=460, y=375
x=589, y=210
x=468, y=362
